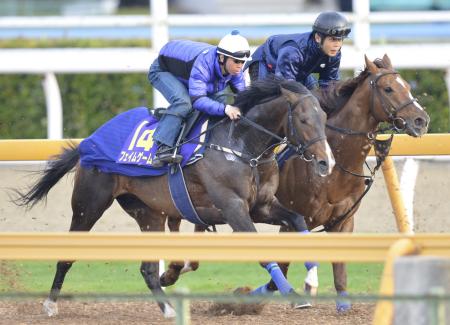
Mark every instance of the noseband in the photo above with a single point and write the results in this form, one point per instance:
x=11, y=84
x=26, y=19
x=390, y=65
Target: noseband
x=390, y=109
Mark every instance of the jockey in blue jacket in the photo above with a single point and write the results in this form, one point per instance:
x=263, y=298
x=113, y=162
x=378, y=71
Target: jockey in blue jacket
x=297, y=56
x=189, y=74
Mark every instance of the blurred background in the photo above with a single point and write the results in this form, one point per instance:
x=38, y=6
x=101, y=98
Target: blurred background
x=70, y=65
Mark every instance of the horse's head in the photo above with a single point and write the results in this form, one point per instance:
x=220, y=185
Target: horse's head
x=306, y=129
x=391, y=100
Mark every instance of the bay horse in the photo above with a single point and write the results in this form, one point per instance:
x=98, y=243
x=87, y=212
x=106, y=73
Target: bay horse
x=356, y=108
x=225, y=188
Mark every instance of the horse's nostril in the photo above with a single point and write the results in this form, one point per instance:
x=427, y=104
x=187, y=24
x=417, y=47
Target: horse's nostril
x=420, y=122
x=323, y=166
x=323, y=163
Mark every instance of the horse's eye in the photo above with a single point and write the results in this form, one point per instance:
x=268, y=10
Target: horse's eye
x=388, y=90
x=303, y=120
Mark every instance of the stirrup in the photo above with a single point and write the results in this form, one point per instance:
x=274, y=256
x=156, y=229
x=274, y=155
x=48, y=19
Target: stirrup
x=171, y=159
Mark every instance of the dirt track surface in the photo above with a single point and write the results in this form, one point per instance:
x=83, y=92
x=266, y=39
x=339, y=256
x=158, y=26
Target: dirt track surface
x=431, y=204
x=135, y=313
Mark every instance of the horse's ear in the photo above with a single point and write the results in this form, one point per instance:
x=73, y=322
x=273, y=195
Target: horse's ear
x=370, y=65
x=290, y=96
x=387, y=61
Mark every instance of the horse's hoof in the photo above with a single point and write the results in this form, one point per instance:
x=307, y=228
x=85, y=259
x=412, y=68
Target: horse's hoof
x=169, y=312
x=303, y=304
x=165, y=281
x=342, y=304
x=343, y=307
x=50, y=307
x=300, y=302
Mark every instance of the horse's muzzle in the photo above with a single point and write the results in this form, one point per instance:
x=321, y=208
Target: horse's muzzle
x=418, y=127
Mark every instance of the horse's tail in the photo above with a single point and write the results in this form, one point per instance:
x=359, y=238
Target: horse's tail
x=55, y=170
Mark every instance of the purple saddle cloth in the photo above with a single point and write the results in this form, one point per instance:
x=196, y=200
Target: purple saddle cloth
x=124, y=145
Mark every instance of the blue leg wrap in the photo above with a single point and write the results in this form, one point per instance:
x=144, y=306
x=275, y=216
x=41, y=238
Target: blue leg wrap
x=262, y=290
x=309, y=265
x=343, y=305
x=278, y=277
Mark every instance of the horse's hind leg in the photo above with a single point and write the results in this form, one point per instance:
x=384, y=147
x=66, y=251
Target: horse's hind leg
x=176, y=268
x=92, y=195
x=140, y=212
x=148, y=221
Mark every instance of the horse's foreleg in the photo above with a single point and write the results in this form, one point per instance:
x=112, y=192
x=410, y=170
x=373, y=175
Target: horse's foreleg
x=340, y=273
x=50, y=306
x=148, y=220
x=150, y=272
x=274, y=213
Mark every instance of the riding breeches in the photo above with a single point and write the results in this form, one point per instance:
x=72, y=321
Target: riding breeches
x=179, y=108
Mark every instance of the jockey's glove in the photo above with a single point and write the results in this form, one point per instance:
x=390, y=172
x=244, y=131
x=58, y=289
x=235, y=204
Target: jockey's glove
x=233, y=112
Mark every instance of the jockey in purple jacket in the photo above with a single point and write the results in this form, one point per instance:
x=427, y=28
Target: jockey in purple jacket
x=189, y=75
x=298, y=56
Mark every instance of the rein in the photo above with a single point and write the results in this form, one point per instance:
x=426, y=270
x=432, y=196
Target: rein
x=382, y=148
x=299, y=149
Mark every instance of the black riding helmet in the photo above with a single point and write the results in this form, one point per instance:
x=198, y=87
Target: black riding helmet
x=332, y=23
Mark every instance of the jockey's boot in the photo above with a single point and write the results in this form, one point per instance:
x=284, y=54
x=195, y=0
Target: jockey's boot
x=165, y=155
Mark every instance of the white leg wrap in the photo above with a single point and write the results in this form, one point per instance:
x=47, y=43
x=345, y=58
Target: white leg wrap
x=169, y=312
x=50, y=307
x=312, y=281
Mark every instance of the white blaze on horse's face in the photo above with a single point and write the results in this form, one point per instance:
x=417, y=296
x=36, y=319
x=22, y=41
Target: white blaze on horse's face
x=402, y=83
x=331, y=161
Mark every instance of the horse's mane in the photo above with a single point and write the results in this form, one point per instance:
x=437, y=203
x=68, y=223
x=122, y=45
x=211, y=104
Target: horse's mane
x=266, y=89
x=337, y=93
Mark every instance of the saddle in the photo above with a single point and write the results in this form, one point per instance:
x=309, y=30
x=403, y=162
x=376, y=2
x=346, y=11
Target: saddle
x=186, y=125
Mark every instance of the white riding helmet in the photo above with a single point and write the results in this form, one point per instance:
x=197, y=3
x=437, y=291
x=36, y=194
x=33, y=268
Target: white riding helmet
x=234, y=46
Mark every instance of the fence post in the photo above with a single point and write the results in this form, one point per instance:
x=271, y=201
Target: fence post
x=54, y=106
x=447, y=81
x=160, y=36
x=361, y=25
x=182, y=308
x=384, y=311
x=393, y=187
x=407, y=188
x=426, y=277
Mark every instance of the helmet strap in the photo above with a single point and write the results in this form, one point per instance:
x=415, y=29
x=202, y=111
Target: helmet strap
x=222, y=62
x=322, y=39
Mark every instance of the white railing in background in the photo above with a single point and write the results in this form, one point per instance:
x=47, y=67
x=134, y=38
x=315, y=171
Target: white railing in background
x=126, y=60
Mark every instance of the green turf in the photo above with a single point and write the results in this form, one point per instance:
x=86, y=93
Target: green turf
x=124, y=277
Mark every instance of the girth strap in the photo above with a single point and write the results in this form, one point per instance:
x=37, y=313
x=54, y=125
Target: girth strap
x=181, y=197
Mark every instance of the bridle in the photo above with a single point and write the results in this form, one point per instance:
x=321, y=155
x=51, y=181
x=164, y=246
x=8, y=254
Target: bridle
x=390, y=110
x=299, y=146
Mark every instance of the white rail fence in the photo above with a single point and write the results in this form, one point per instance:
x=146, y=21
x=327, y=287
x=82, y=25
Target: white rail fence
x=49, y=62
